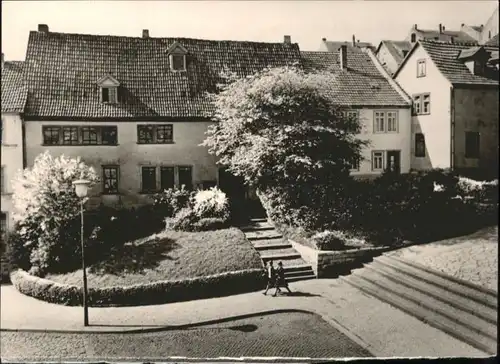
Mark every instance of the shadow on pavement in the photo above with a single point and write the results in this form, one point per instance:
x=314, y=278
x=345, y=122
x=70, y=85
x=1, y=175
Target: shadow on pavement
x=298, y=294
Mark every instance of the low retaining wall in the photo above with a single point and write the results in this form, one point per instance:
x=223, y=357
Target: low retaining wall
x=331, y=264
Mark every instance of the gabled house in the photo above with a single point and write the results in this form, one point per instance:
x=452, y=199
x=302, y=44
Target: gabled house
x=135, y=108
x=455, y=105
x=333, y=46
x=13, y=103
x=440, y=34
x=484, y=33
x=367, y=92
x=391, y=53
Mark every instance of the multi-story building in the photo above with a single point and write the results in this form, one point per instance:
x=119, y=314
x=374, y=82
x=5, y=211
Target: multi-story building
x=135, y=109
x=13, y=103
x=367, y=92
x=455, y=105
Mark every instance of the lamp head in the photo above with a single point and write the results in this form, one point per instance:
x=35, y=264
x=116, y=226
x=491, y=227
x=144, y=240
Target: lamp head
x=81, y=187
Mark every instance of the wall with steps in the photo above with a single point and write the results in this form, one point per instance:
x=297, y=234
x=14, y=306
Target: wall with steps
x=272, y=246
x=461, y=309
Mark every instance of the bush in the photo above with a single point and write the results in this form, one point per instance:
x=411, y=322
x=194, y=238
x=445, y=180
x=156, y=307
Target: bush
x=147, y=294
x=183, y=220
x=211, y=203
x=329, y=240
x=171, y=201
x=45, y=205
x=207, y=224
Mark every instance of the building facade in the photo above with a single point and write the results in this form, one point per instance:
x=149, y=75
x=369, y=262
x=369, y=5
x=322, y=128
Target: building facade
x=391, y=54
x=136, y=109
x=455, y=106
x=367, y=92
x=13, y=103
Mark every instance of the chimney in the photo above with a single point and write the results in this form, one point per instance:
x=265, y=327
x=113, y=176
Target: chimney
x=145, y=33
x=343, y=57
x=287, y=39
x=44, y=28
x=440, y=28
x=323, y=39
x=415, y=26
x=353, y=40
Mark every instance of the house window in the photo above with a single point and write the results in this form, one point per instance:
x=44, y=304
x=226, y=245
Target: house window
x=471, y=144
x=109, y=95
x=419, y=145
x=178, y=62
x=385, y=122
x=2, y=180
x=110, y=179
x=167, y=178
x=109, y=135
x=352, y=114
x=422, y=104
x=51, y=135
x=354, y=164
x=148, y=177
x=379, y=126
x=3, y=225
x=392, y=122
x=80, y=135
x=154, y=134
x=186, y=177
x=377, y=161
x=405, y=53
x=421, y=71
x=413, y=37
x=70, y=135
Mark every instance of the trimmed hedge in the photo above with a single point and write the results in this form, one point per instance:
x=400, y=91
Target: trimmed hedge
x=218, y=285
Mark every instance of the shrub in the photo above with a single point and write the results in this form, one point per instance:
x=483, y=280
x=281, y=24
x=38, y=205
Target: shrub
x=329, y=240
x=171, y=201
x=211, y=203
x=210, y=223
x=183, y=220
x=146, y=294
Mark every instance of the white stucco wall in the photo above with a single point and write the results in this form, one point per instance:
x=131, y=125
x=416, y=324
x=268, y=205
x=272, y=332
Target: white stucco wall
x=131, y=156
x=436, y=126
x=12, y=158
x=384, y=141
x=387, y=60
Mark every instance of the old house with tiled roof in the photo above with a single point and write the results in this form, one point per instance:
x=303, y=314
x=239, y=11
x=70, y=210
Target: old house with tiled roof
x=334, y=45
x=135, y=108
x=391, y=53
x=13, y=103
x=440, y=34
x=455, y=105
x=367, y=92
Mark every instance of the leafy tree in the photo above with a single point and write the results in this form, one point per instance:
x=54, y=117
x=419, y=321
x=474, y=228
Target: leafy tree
x=46, y=205
x=281, y=127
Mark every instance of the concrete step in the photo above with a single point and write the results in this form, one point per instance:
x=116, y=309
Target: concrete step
x=275, y=241
x=299, y=273
x=262, y=235
x=261, y=247
x=301, y=278
x=460, y=317
x=297, y=267
x=456, y=300
x=279, y=256
x=431, y=317
x=468, y=290
x=250, y=228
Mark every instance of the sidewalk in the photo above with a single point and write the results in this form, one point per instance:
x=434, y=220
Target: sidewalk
x=378, y=327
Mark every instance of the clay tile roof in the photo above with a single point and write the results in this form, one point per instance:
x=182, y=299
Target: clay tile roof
x=445, y=56
x=62, y=71
x=333, y=46
x=13, y=90
x=493, y=41
x=397, y=49
x=360, y=85
x=458, y=36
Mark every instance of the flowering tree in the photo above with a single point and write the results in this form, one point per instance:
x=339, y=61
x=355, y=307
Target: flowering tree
x=45, y=202
x=282, y=126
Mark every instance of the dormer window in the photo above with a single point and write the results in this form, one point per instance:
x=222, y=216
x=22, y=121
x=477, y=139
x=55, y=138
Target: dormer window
x=475, y=59
x=177, y=57
x=108, y=89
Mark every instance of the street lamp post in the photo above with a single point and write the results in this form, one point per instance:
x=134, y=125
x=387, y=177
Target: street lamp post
x=81, y=190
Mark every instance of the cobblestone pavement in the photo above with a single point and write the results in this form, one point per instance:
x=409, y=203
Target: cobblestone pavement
x=473, y=258
x=284, y=335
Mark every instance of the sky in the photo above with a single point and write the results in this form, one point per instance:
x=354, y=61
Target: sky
x=307, y=22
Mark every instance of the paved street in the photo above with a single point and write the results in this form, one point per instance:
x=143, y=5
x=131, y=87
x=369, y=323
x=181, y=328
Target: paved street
x=282, y=334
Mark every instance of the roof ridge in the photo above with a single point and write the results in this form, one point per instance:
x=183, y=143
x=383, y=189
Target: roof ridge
x=449, y=42
x=153, y=38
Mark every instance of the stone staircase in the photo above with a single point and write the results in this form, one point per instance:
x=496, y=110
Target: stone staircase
x=461, y=309
x=272, y=246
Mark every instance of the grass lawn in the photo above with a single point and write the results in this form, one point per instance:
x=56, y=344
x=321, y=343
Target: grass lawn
x=169, y=255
